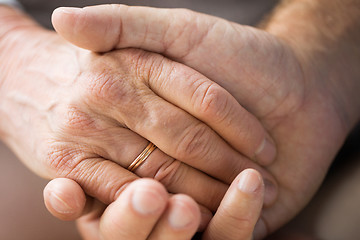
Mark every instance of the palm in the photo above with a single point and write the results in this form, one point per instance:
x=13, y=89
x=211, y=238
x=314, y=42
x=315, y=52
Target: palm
x=307, y=133
x=274, y=85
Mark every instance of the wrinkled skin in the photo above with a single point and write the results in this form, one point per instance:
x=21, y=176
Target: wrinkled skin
x=67, y=112
x=161, y=216
x=296, y=100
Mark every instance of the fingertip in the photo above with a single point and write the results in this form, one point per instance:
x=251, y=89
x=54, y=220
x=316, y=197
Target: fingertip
x=66, y=10
x=64, y=199
x=94, y=28
x=240, y=209
x=266, y=152
x=206, y=216
x=142, y=201
x=184, y=212
x=250, y=181
x=149, y=184
x=271, y=192
x=148, y=196
x=260, y=230
x=63, y=15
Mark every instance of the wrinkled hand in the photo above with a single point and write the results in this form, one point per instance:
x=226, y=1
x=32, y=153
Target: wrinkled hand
x=268, y=76
x=70, y=113
x=144, y=210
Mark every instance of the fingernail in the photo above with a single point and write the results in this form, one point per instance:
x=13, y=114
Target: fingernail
x=69, y=10
x=270, y=193
x=59, y=205
x=266, y=152
x=180, y=216
x=147, y=201
x=249, y=181
x=206, y=217
x=260, y=230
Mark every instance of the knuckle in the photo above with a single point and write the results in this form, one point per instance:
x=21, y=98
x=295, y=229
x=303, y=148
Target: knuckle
x=111, y=85
x=75, y=121
x=194, y=142
x=169, y=173
x=154, y=118
x=211, y=102
x=102, y=87
x=150, y=67
x=62, y=160
x=110, y=77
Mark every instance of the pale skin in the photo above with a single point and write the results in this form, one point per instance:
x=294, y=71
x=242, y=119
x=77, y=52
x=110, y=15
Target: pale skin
x=299, y=75
x=337, y=114
x=153, y=214
x=67, y=112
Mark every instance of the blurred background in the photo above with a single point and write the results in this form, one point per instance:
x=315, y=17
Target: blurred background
x=23, y=215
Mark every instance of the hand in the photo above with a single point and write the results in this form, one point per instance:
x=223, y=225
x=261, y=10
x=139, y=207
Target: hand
x=144, y=210
x=70, y=113
x=273, y=78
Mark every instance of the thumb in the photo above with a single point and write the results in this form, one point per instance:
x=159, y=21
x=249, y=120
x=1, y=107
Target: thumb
x=64, y=199
x=239, y=212
x=92, y=28
x=245, y=61
x=105, y=27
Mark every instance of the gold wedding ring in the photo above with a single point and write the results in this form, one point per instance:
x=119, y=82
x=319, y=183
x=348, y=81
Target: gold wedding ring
x=142, y=157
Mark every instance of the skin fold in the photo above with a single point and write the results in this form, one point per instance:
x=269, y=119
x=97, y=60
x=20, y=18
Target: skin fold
x=288, y=75
x=299, y=80
x=67, y=112
x=144, y=210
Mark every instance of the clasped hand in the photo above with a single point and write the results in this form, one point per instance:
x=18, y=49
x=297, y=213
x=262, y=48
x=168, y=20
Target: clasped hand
x=272, y=78
x=85, y=116
x=98, y=111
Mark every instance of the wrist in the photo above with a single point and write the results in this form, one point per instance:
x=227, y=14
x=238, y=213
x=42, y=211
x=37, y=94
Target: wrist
x=13, y=24
x=324, y=36
x=19, y=36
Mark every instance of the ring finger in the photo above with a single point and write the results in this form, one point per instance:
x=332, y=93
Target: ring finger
x=123, y=146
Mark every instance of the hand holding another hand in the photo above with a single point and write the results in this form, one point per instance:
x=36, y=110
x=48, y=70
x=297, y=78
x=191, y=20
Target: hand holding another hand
x=144, y=210
x=289, y=86
x=67, y=112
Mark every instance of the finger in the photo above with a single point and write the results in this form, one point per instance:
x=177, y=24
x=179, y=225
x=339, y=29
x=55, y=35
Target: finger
x=173, y=130
x=176, y=176
x=208, y=101
x=240, y=209
x=135, y=213
x=180, y=220
x=64, y=199
x=99, y=178
x=109, y=141
x=225, y=52
x=138, y=27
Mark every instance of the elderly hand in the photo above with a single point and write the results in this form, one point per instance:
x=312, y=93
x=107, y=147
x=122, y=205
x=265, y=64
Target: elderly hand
x=288, y=85
x=144, y=210
x=67, y=112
